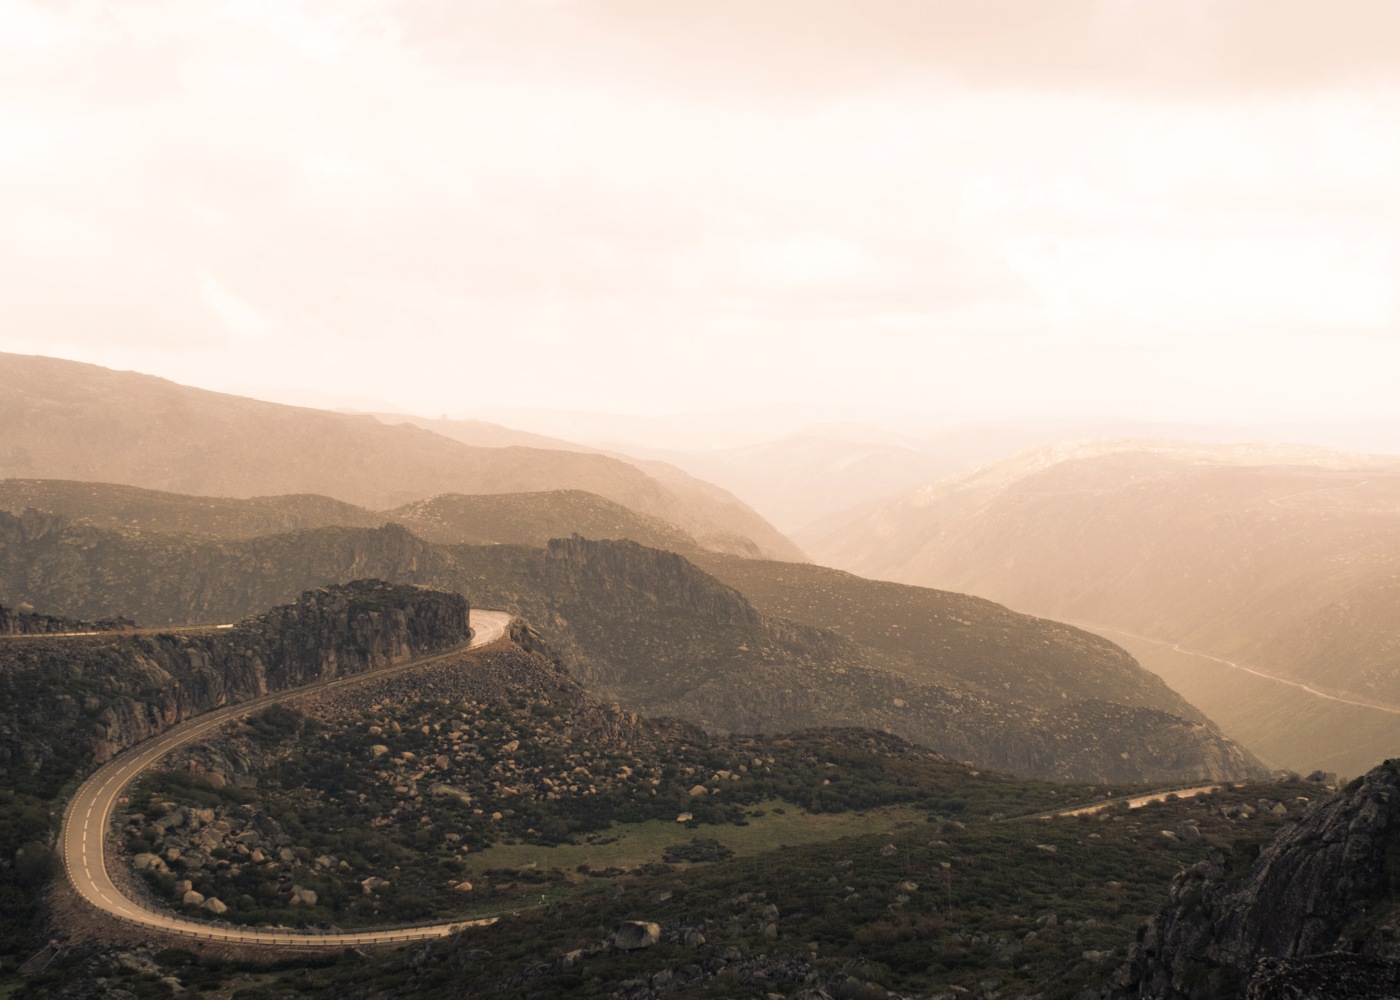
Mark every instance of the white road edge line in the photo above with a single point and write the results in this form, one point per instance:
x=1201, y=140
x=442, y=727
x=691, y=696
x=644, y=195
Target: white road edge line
x=96, y=800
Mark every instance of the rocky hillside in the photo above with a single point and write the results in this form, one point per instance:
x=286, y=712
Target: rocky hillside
x=1317, y=915
x=943, y=637
x=66, y=420
x=64, y=702
x=533, y=519
x=132, y=510
x=24, y=621
x=50, y=562
x=644, y=627
x=452, y=518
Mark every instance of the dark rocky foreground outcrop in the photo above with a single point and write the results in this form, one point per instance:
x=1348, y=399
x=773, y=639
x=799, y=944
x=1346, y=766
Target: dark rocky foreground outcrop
x=67, y=702
x=1315, y=916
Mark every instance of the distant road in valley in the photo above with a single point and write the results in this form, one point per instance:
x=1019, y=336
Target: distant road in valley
x=1135, y=802
x=1376, y=705
x=88, y=817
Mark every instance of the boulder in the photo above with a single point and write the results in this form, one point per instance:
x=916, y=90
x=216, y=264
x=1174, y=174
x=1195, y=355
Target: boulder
x=636, y=934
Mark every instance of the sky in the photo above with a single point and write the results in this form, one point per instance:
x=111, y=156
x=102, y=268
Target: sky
x=1185, y=209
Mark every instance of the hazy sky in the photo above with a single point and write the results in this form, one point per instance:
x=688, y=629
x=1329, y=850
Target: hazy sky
x=1164, y=207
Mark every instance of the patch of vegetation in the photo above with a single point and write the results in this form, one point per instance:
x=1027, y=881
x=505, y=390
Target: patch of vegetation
x=697, y=850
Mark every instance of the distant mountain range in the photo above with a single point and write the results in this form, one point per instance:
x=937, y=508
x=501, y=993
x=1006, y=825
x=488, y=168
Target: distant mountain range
x=801, y=478
x=66, y=420
x=1280, y=558
x=813, y=470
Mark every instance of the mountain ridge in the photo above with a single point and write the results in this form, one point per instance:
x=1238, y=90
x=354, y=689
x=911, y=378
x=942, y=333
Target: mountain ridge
x=641, y=625
x=67, y=420
x=1288, y=569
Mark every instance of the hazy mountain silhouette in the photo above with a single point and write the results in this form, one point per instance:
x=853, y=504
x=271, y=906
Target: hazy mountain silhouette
x=66, y=420
x=713, y=515
x=1277, y=557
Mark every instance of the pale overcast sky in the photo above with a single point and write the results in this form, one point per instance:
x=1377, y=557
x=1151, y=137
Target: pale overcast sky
x=1156, y=207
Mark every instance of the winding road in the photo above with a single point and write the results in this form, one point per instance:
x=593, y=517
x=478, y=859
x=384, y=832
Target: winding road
x=89, y=814
x=1177, y=647
x=1134, y=802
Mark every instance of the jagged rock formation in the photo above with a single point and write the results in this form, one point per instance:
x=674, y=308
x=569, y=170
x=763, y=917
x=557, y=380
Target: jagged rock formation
x=1316, y=912
x=22, y=622
x=64, y=702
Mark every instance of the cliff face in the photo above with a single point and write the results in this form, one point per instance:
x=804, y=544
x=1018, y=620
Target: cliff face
x=66, y=702
x=1318, y=907
x=75, y=569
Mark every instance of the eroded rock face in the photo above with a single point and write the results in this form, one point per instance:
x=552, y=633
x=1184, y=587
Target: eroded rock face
x=19, y=621
x=636, y=934
x=1326, y=885
x=82, y=700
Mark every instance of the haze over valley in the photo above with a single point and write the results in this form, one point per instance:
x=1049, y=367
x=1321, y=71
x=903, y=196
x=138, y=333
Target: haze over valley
x=802, y=501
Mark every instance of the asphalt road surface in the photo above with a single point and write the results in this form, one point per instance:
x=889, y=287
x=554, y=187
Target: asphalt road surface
x=89, y=814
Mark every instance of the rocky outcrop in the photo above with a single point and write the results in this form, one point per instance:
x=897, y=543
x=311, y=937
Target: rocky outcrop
x=69, y=702
x=19, y=621
x=1320, y=899
x=77, y=570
